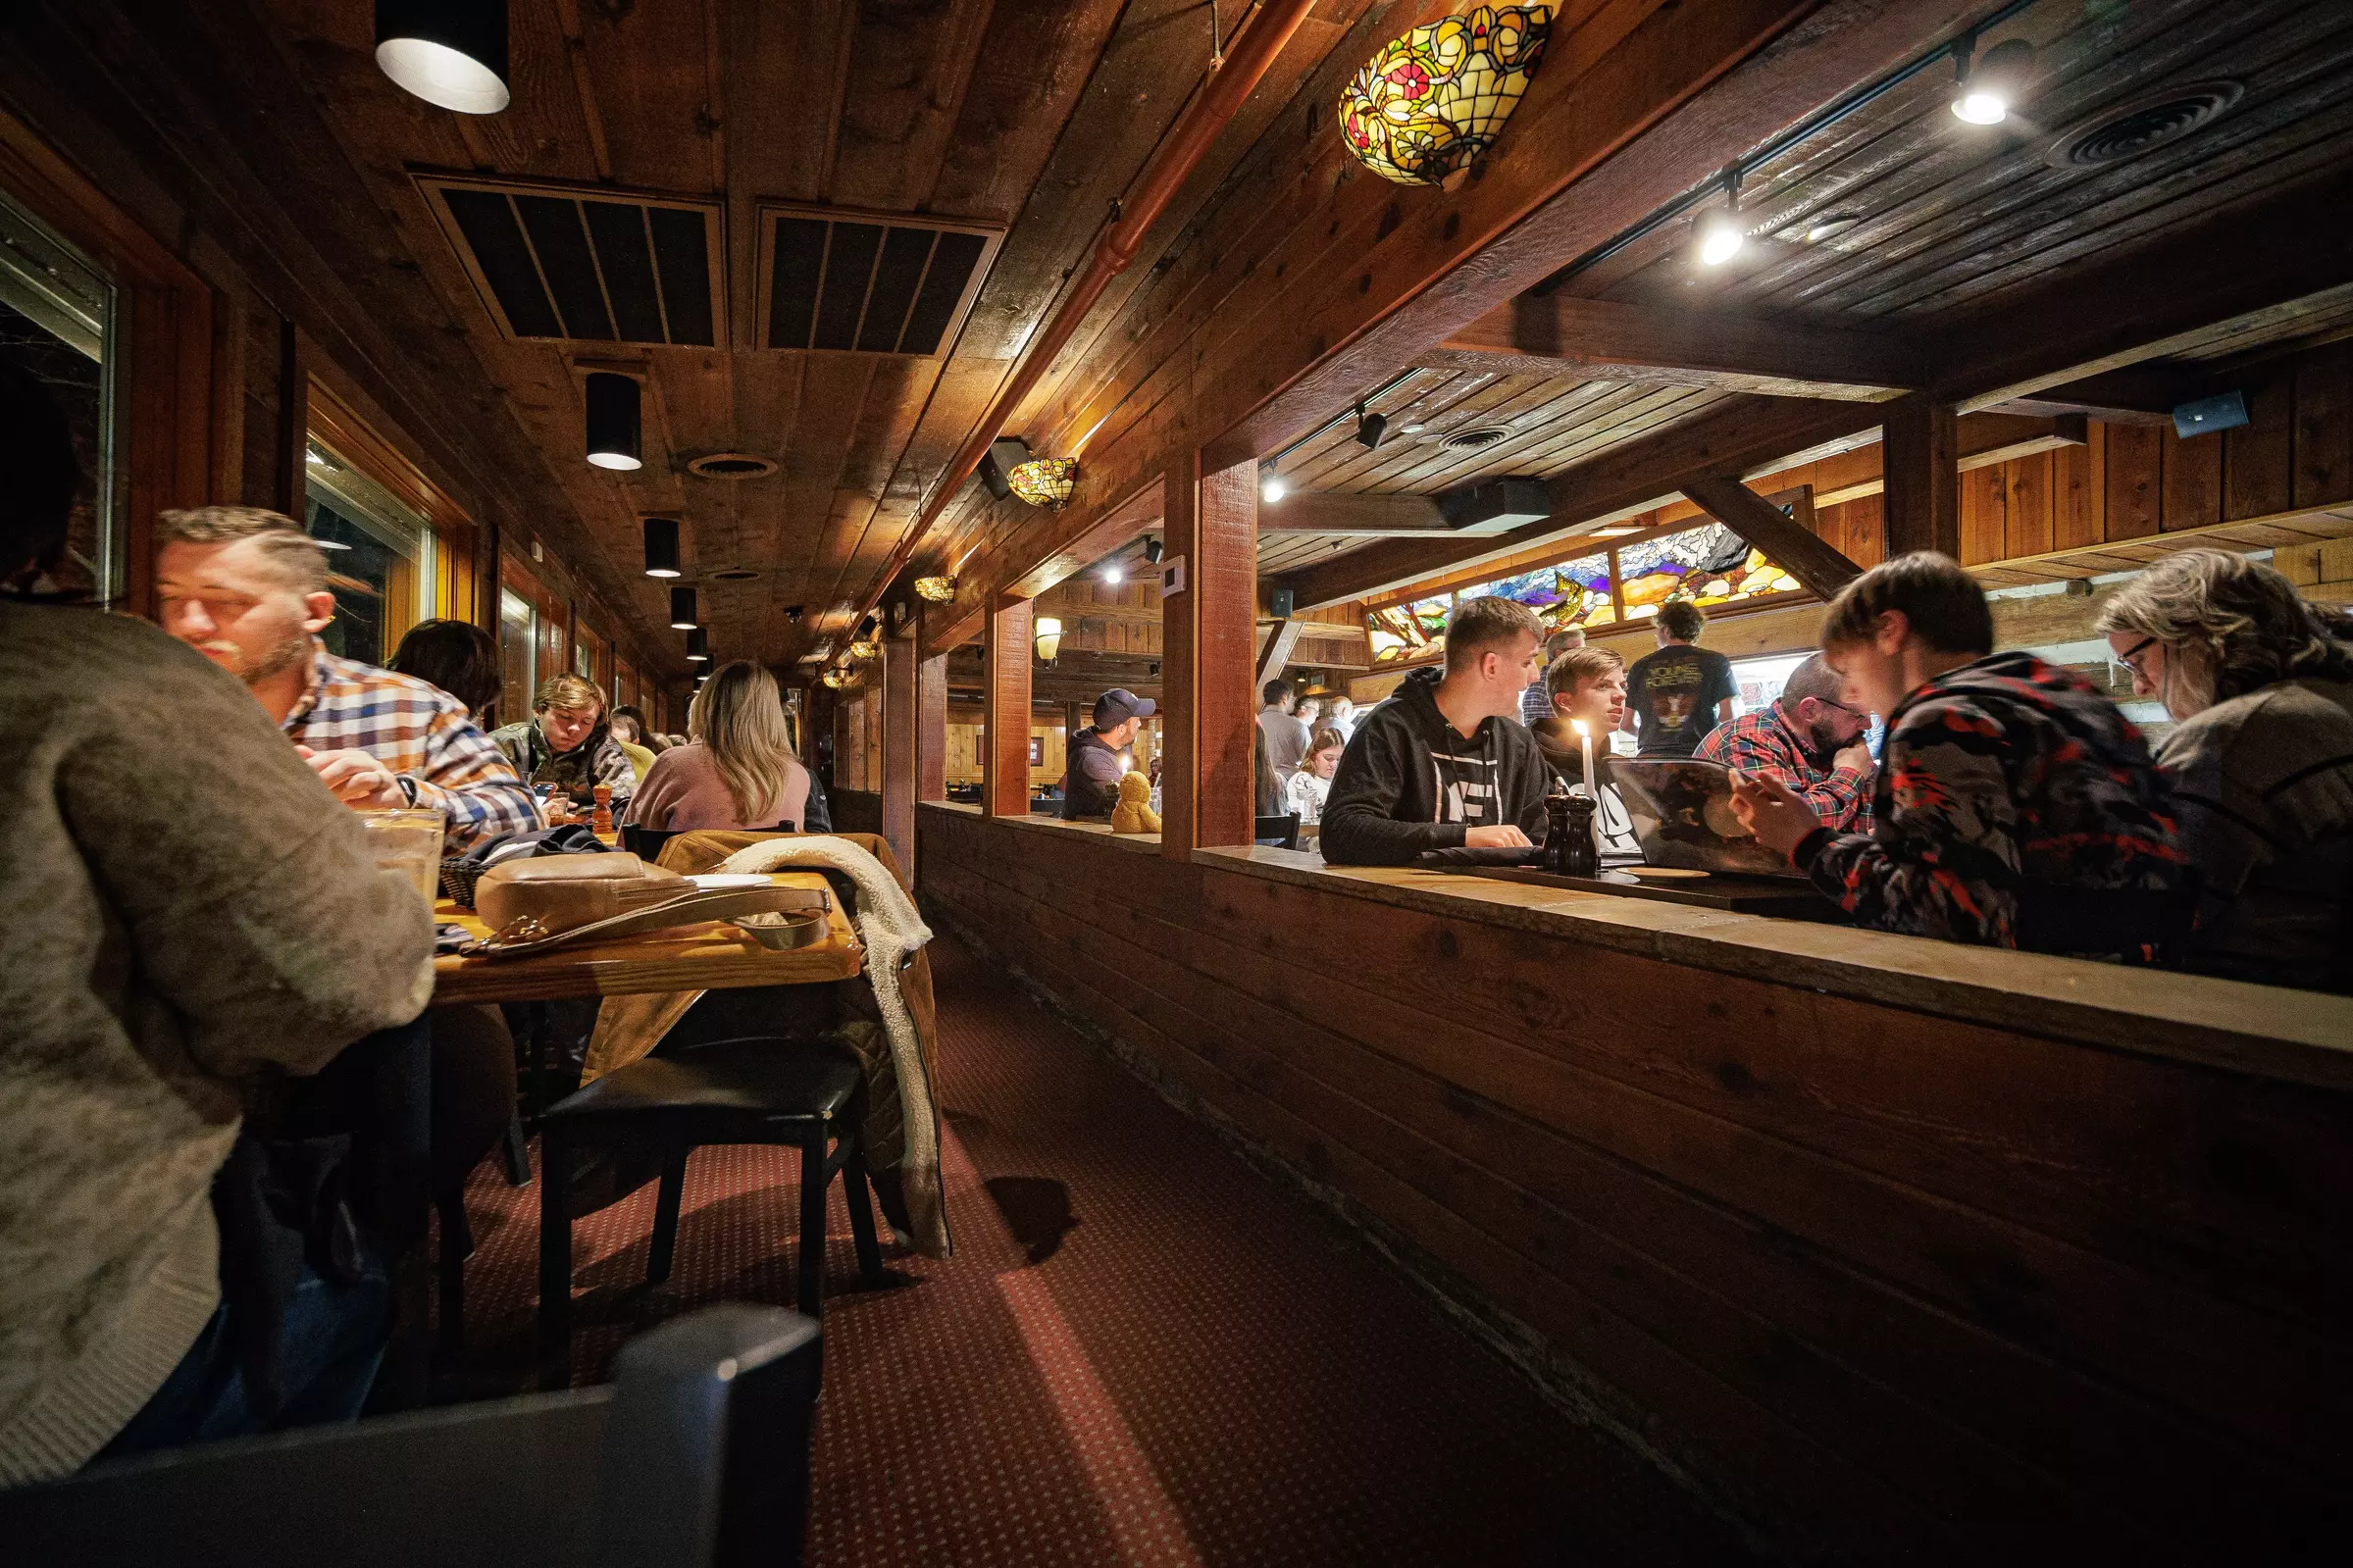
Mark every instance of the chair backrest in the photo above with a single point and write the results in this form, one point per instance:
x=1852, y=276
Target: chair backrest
x=1284, y=828
x=646, y=842
x=696, y=1456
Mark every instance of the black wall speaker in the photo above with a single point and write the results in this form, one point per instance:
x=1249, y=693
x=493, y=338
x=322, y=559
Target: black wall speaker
x=1282, y=601
x=1005, y=454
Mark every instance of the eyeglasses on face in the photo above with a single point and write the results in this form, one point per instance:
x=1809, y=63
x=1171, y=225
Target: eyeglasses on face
x=2128, y=661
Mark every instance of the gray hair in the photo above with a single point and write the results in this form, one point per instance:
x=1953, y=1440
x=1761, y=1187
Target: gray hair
x=1813, y=678
x=2229, y=625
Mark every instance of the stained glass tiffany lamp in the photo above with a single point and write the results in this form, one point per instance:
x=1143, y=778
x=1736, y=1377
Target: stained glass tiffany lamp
x=1432, y=100
x=1046, y=480
x=939, y=591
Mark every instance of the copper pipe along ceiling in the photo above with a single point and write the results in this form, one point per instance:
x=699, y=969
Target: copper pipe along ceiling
x=1253, y=53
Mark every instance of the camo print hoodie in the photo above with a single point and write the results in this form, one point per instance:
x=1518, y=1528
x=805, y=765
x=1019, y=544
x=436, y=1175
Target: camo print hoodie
x=2005, y=783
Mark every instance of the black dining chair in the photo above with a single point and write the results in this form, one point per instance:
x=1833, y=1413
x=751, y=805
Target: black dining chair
x=1277, y=832
x=753, y=1089
x=695, y=1455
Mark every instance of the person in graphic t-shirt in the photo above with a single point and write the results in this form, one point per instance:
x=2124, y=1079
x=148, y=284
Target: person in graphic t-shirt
x=1677, y=694
x=1444, y=764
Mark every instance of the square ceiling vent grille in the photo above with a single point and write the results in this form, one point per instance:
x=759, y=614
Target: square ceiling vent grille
x=570, y=265
x=867, y=283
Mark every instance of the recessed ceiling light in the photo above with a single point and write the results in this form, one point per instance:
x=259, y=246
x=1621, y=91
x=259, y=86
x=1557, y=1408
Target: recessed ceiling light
x=1614, y=530
x=1984, y=90
x=1829, y=226
x=1271, y=487
x=1112, y=575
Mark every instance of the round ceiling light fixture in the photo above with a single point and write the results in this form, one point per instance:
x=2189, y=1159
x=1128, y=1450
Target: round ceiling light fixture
x=615, y=429
x=661, y=546
x=731, y=465
x=450, y=53
x=699, y=646
x=681, y=607
x=1984, y=91
x=1271, y=487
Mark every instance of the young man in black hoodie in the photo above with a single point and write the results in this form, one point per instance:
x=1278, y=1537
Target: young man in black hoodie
x=1444, y=764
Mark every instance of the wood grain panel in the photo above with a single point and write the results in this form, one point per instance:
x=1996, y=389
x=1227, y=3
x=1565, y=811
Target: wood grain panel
x=1749, y=1210
x=2135, y=481
x=2259, y=457
x=2324, y=437
x=1007, y=780
x=2192, y=492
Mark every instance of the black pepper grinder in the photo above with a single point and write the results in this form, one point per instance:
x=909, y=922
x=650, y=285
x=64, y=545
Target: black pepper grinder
x=1579, y=857
x=1556, y=831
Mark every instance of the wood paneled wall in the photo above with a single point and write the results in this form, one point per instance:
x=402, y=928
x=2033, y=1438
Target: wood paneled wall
x=1903, y=1288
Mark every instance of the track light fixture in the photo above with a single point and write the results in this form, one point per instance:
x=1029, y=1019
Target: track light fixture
x=614, y=423
x=1114, y=575
x=1271, y=487
x=661, y=546
x=1986, y=90
x=451, y=53
x=1369, y=428
x=681, y=607
x=1720, y=233
x=699, y=646
x=792, y=613
x=1153, y=551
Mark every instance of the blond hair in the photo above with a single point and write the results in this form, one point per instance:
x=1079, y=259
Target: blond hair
x=2229, y=625
x=294, y=553
x=1561, y=676
x=568, y=690
x=738, y=717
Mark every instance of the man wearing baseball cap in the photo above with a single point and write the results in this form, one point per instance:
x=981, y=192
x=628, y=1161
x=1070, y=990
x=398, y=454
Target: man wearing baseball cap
x=1097, y=753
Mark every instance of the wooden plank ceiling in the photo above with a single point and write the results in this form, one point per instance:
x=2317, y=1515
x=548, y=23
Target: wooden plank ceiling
x=1033, y=115
x=1946, y=221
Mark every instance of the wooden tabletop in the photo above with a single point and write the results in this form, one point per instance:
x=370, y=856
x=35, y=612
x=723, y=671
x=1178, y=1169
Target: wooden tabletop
x=710, y=956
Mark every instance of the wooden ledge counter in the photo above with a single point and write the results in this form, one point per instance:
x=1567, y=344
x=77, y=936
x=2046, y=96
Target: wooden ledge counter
x=709, y=956
x=1936, y=1253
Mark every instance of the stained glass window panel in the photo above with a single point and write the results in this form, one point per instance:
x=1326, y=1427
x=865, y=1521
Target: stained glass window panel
x=1709, y=565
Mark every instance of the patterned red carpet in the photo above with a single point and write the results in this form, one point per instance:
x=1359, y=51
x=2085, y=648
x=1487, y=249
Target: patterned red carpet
x=1143, y=1352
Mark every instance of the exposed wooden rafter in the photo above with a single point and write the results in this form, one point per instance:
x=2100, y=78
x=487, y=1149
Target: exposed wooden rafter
x=1369, y=517
x=1788, y=542
x=1559, y=334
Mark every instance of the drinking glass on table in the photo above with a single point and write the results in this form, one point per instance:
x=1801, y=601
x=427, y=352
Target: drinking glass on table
x=409, y=840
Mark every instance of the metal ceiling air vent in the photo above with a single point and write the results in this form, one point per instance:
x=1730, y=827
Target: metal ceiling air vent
x=586, y=265
x=1477, y=439
x=867, y=283
x=731, y=574
x=731, y=465
x=2143, y=124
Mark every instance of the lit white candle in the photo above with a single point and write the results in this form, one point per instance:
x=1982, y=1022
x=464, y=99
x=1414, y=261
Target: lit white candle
x=1585, y=741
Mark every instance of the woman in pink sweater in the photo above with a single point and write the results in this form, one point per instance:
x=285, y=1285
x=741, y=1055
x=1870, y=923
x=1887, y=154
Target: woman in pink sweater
x=737, y=771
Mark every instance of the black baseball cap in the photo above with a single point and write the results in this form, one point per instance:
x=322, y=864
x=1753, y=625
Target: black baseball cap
x=1119, y=705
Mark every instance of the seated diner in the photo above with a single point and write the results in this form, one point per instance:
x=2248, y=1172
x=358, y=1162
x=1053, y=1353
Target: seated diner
x=567, y=746
x=737, y=771
x=1102, y=754
x=1587, y=690
x=1311, y=786
x=1807, y=738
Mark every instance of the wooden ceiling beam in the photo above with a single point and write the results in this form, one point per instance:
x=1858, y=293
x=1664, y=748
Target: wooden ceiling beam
x=1363, y=517
x=1786, y=541
x=1632, y=479
x=1560, y=334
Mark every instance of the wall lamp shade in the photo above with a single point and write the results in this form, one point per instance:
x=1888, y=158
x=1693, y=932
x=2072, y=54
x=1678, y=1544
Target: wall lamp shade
x=614, y=424
x=1046, y=480
x=1984, y=90
x=698, y=645
x=1431, y=101
x=1048, y=631
x=450, y=53
x=661, y=546
x=681, y=607
x=939, y=591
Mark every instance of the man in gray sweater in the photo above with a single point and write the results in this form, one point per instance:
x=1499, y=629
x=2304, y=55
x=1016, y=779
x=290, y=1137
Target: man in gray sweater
x=194, y=911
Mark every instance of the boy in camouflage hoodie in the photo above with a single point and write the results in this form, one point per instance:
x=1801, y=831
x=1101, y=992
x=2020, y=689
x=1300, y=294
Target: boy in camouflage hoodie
x=2014, y=806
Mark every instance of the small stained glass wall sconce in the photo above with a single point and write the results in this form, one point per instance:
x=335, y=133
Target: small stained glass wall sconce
x=939, y=591
x=1046, y=480
x=1431, y=101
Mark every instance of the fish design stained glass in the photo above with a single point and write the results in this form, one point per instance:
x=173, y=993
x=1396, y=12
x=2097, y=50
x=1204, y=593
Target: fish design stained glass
x=1708, y=565
x=1434, y=99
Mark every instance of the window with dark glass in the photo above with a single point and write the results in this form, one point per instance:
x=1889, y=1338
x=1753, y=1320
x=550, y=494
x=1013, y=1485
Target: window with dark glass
x=58, y=321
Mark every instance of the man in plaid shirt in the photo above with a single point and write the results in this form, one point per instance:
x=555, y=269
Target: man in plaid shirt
x=248, y=590
x=1810, y=740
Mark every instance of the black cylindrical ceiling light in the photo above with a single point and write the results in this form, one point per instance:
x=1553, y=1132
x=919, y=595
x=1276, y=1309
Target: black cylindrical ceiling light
x=699, y=646
x=447, y=52
x=661, y=546
x=613, y=422
x=681, y=607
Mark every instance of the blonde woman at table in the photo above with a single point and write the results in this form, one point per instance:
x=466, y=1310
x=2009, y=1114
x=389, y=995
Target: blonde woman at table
x=737, y=768
x=1313, y=781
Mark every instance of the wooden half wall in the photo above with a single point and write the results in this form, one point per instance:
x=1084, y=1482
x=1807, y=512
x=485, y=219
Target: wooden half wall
x=1903, y=1251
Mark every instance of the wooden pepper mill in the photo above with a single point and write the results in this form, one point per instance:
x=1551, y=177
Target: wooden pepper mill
x=601, y=821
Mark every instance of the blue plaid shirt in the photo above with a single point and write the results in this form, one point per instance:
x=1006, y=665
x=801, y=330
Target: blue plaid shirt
x=423, y=736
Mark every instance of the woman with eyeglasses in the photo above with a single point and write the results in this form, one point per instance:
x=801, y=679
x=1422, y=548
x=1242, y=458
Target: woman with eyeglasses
x=2261, y=760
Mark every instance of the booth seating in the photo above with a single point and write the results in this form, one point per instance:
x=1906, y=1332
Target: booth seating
x=697, y=1455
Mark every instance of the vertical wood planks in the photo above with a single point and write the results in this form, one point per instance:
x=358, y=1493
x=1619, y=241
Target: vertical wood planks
x=1006, y=770
x=931, y=728
x=2134, y=480
x=2258, y=458
x=901, y=723
x=2026, y=517
x=2323, y=427
x=1984, y=510
x=2079, y=495
x=1225, y=664
x=2192, y=490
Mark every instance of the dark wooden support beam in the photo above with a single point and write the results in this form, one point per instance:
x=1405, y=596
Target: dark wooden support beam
x=2138, y=394
x=1372, y=517
x=901, y=717
x=1006, y=770
x=1209, y=637
x=1281, y=639
x=293, y=421
x=931, y=728
x=1920, y=461
x=1559, y=334
x=1788, y=542
x=1634, y=478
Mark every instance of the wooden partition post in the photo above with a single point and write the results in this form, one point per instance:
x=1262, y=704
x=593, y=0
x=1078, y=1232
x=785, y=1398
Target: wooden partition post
x=1920, y=453
x=931, y=728
x=900, y=721
x=1006, y=771
x=1208, y=635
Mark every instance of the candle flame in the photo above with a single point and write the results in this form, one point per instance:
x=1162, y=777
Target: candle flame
x=1578, y=725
